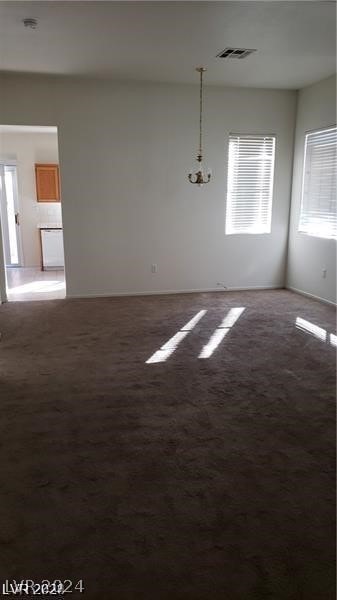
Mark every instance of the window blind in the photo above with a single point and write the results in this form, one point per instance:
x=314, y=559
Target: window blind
x=250, y=183
x=318, y=207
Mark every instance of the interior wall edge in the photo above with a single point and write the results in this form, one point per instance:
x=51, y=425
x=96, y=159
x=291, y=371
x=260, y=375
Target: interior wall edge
x=286, y=265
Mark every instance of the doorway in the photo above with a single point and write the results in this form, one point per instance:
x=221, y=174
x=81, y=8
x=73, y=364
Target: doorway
x=31, y=224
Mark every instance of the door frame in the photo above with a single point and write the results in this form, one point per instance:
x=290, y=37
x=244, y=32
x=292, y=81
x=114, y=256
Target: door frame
x=3, y=282
x=3, y=210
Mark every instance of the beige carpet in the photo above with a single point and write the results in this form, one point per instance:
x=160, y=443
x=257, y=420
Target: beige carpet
x=185, y=477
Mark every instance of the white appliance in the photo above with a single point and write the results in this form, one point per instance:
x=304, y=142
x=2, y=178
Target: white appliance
x=52, y=249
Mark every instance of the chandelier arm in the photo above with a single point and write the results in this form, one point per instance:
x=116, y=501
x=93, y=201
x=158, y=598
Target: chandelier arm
x=198, y=178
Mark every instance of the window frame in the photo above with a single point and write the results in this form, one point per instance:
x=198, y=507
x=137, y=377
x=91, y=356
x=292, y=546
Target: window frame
x=253, y=136
x=306, y=134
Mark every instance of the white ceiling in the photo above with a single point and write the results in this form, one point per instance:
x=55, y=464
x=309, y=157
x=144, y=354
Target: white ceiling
x=164, y=41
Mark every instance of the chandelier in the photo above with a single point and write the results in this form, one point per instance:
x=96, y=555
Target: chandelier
x=199, y=175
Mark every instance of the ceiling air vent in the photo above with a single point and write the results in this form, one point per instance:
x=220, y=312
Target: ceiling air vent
x=235, y=52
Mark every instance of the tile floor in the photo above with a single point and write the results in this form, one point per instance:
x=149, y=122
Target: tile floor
x=26, y=283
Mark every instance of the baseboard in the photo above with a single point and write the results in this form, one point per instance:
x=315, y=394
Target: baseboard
x=254, y=288
x=167, y=292
x=313, y=296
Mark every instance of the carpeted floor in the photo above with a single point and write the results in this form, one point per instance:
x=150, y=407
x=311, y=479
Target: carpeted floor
x=191, y=478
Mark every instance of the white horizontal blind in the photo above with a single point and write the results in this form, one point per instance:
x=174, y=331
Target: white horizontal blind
x=318, y=208
x=250, y=183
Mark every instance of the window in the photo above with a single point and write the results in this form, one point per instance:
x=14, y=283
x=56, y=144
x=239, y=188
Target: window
x=318, y=207
x=250, y=183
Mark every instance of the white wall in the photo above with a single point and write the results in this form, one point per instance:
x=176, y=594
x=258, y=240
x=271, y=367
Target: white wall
x=27, y=149
x=309, y=255
x=125, y=150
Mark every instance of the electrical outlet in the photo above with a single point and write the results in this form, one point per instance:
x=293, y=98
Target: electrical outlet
x=324, y=272
x=154, y=268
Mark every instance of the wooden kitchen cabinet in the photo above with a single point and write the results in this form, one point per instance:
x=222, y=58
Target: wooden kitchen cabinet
x=47, y=183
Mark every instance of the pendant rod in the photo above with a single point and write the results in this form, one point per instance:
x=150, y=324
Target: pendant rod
x=201, y=70
x=198, y=177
